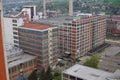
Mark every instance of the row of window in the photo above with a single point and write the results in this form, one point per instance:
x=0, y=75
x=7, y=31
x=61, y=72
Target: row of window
x=33, y=41
x=33, y=50
x=33, y=31
x=21, y=66
x=34, y=46
x=33, y=36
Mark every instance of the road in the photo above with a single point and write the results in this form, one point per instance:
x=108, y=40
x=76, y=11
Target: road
x=114, y=42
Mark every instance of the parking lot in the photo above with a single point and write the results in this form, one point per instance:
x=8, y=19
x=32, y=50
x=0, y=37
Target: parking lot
x=110, y=59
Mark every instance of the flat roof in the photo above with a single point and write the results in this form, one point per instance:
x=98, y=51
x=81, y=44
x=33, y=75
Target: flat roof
x=37, y=26
x=87, y=73
x=11, y=50
x=16, y=56
x=19, y=59
x=60, y=20
x=57, y=21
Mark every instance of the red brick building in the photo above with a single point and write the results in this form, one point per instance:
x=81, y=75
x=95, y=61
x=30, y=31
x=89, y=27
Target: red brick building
x=79, y=34
x=82, y=35
x=113, y=25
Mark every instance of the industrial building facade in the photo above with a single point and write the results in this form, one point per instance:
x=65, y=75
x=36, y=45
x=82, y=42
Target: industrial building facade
x=20, y=65
x=113, y=25
x=40, y=40
x=79, y=36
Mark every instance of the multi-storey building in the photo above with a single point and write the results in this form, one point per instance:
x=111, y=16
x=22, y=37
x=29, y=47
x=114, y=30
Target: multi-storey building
x=14, y=20
x=40, y=40
x=79, y=72
x=3, y=69
x=78, y=35
x=113, y=25
x=20, y=65
x=10, y=29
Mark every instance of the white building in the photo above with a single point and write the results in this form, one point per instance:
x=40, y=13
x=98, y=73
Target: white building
x=15, y=20
x=10, y=28
x=84, y=14
x=31, y=11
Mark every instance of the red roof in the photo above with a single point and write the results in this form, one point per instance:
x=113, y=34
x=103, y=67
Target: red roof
x=36, y=26
x=116, y=17
x=116, y=31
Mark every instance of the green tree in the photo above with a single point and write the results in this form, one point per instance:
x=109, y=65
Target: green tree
x=49, y=75
x=115, y=3
x=42, y=75
x=57, y=74
x=33, y=76
x=92, y=62
x=46, y=75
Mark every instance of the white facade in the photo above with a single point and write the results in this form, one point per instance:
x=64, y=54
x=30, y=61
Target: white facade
x=31, y=11
x=118, y=26
x=9, y=25
x=84, y=14
x=39, y=16
x=8, y=30
x=27, y=10
x=49, y=45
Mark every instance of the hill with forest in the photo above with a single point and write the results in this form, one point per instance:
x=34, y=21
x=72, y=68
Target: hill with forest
x=89, y=6
x=107, y=6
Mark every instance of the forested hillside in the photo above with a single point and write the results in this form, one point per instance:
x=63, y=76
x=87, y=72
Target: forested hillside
x=96, y=6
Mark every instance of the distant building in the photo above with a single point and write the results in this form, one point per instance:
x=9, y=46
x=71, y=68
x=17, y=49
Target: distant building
x=84, y=14
x=20, y=64
x=40, y=40
x=113, y=25
x=79, y=72
x=31, y=11
x=79, y=35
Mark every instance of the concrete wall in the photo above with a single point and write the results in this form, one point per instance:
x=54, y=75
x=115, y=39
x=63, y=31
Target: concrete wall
x=8, y=30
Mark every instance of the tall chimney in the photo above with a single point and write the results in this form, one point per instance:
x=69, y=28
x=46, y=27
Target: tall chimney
x=70, y=7
x=44, y=8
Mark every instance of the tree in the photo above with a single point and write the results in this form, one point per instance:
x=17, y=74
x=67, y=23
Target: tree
x=92, y=62
x=33, y=76
x=42, y=75
x=49, y=75
x=57, y=74
x=46, y=75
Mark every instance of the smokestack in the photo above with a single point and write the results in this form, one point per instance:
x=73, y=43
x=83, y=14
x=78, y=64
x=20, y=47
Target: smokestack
x=70, y=7
x=44, y=8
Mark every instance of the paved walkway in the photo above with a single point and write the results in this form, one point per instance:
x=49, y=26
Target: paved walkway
x=114, y=41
